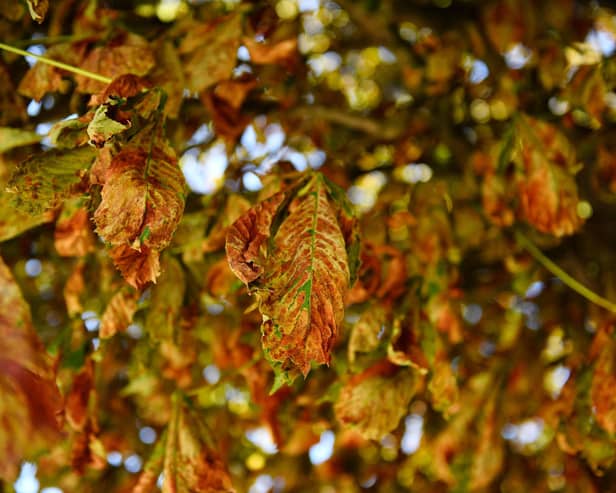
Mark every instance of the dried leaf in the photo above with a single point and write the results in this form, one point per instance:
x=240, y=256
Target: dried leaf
x=119, y=312
x=602, y=389
x=166, y=301
x=125, y=53
x=73, y=289
x=305, y=267
x=30, y=401
x=142, y=203
x=373, y=402
x=210, y=51
x=42, y=181
x=548, y=193
x=368, y=331
x=192, y=465
x=38, y=9
x=73, y=236
x=273, y=53
x=103, y=126
x=79, y=396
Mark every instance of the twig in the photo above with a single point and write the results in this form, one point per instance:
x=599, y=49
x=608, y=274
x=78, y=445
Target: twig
x=63, y=66
x=563, y=276
x=384, y=131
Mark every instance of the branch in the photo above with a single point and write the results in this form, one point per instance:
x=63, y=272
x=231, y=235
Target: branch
x=63, y=66
x=563, y=276
x=374, y=128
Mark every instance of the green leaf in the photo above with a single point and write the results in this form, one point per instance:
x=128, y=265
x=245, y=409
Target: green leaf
x=42, y=181
x=16, y=137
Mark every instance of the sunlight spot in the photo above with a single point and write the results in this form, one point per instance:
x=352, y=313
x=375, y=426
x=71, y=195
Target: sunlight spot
x=308, y=5
x=263, y=484
x=316, y=158
x=33, y=267
x=96, y=342
x=472, y=313
x=602, y=41
x=413, y=430
x=27, y=482
x=201, y=135
x=243, y=54
x=204, y=172
x=558, y=106
x=133, y=463
x=251, y=182
x=135, y=331
x=114, y=458
x=534, y=290
x=92, y=324
x=297, y=159
x=37, y=50
x=34, y=108
x=370, y=482
x=517, y=56
x=322, y=451
x=479, y=72
x=262, y=438
x=529, y=431
x=51, y=489
x=413, y=173
x=211, y=373
x=555, y=379
x=147, y=435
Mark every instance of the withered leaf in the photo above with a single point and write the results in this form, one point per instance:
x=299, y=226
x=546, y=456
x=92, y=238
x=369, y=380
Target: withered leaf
x=603, y=381
x=119, y=312
x=373, y=402
x=142, y=203
x=274, y=53
x=30, y=401
x=103, y=127
x=43, y=180
x=73, y=236
x=79, y=396
x=125, y=53
x=166, y=300
x=300, y=276
x=192, y=465
x=546, y=164
x=209, y=51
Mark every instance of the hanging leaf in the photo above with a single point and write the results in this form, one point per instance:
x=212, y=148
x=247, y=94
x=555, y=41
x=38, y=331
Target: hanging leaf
x=546, y=164
x=142, y=203
x=373, y=402
x=31, y=403
x=300, y=277
x=119, y=312
x=209, y=51
x=192, y=464
x=73, y=236
x=16, y=137
x=42, y=181
x=14, y=221
x=38, y=9
x=166, y=301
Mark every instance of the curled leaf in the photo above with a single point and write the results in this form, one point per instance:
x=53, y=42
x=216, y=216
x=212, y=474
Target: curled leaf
x=292, y=251
x=119, y=312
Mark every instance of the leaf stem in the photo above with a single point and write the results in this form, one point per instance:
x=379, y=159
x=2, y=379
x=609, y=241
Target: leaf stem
x=63, y=66
x=562, y=275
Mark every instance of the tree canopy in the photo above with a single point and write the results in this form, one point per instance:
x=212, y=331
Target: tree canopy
x=308, y=245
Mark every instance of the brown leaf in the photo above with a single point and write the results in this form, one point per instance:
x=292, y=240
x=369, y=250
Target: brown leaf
x=602, y=388
x=192, y=465
x=125, y=53
x=119, y=312
x=373, y=402
x=210, y=51
x=274, y=53
x=73, y=236
x=73, y=289
x=30, y=401
x=12, y=108
x=79, y=396
x=548, y=193
x=306, y=272
x=142, y=203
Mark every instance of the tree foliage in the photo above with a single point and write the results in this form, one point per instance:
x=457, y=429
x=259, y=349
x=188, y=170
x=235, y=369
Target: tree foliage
x=308, y=245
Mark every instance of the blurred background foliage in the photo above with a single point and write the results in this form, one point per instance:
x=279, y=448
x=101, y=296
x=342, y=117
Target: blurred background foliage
x=462, y=131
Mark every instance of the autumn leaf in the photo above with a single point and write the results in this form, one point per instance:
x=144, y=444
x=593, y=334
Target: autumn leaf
x=73, y=236
x=78, y=397
x=142, y=203
x=42, y=181
x=166, y=301
x=373, y=402
x=546, y=164
x=124, y=53
x=603, y=380
x=304, y=272
x=31, y=403
x=271, y=53
x=209, y=51
x=191, y=463
x=14, y=221
x=16, y=137
x=119, y=312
